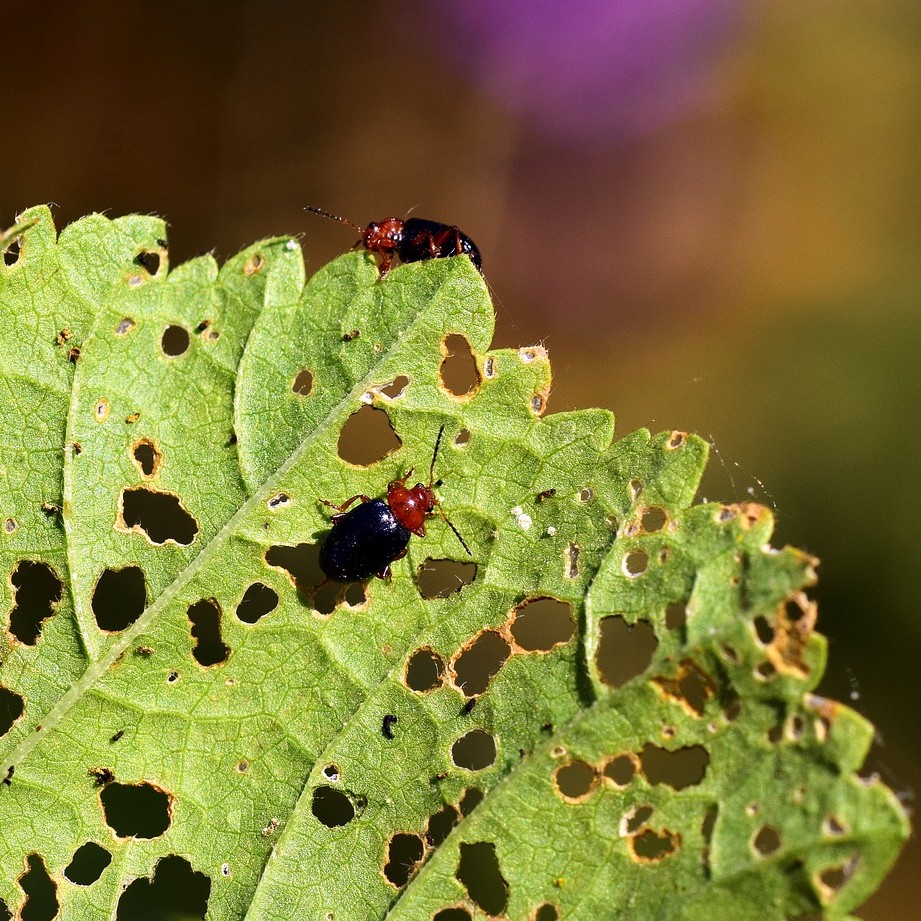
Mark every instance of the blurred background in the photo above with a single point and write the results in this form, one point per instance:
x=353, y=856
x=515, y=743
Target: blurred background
x=709, y=211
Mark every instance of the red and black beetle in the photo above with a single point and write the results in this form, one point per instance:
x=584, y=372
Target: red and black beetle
x=367, y=539
x=412, y=240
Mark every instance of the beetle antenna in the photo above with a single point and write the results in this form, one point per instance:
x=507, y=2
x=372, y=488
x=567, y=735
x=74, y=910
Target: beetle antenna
x=334, y=217
x=441, y=432
x=441, y=511
x=450, y=524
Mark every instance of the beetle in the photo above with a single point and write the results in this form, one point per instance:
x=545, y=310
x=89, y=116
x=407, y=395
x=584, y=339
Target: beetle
x=413, y=240
x=367, y=539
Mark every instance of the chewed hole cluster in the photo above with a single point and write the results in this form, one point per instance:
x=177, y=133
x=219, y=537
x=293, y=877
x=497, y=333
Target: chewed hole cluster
x=537, y=624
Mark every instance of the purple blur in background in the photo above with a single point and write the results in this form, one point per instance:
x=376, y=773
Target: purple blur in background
x=593, y=69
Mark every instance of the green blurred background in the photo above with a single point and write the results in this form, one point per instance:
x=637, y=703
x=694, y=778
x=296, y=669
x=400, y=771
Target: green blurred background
x=709, y=211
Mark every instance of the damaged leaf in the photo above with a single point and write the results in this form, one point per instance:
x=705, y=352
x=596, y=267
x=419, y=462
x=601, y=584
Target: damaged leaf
x=608, y=710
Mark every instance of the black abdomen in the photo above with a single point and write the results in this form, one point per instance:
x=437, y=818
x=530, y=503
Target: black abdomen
x=364, y=542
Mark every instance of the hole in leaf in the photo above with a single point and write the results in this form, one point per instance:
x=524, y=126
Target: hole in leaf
x=389, y=721
x=87, y=864
x=653, y=519
x=41, y=902
x=332, y=807
x=478, y=871
x=832, y=879
x=542, y=623
x=635, y=563
x=327, y=597
x=160, y=515
x=689, y=688
x=546, y=912
x=37, y=589
x=766, y=841
x=147, y=457
x=403, y=855
x=676, y=615
x=575, y=779
x=257, y=601
x=634, y=819
x=459, y=374
x=474, y=751
x=175, y=340
x=440, y=824
x=119, y=598
x=367, y=437
x=210, y=649
x=621, y=769
x=624, y=650
x=764, y=630
x=175, y=891
x=394, y=390
x=683, y=767
x=462, y=438
x=454, y=913
x=101, y=775
x=12, y=706
x=470, y=800
x=651, y=847
x=139, y=810
x=440, y=578
x=355, y=594
x=149, y=261
x=424, y=670
x=12, y=252
x=301, y=562
x=479, y=662
x=696, y=689
x=303, y=383
x=255, y=264
x=765, y=671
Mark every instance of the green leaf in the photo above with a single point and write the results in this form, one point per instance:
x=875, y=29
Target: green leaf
x=607, y=711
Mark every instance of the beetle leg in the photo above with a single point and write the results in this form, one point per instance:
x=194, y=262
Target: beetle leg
x=341, y=508
x=386, y=262
x=419, y=532
x=385, y=572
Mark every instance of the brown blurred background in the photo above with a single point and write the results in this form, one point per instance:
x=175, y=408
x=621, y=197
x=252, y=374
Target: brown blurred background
x=708, y=210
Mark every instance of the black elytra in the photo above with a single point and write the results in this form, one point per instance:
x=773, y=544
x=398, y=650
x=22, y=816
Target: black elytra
x=424, y=239
x=363, y=543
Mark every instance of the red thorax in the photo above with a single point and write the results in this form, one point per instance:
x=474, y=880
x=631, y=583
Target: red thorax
x=383, y=236
x=411, y=506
